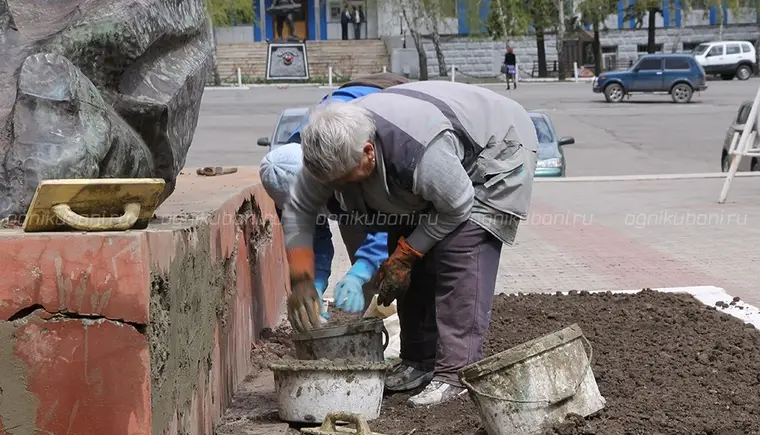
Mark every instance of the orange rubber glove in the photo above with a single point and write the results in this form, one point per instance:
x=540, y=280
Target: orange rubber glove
x=303, y=303
x=395, y=274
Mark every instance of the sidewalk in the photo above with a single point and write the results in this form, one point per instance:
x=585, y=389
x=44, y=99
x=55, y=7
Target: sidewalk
x=602, y=235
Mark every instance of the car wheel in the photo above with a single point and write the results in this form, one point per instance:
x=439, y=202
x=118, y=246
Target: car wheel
x=614, y=93
x=727, y=76
x=681, y=93
x=743, y=72
x=725, y=164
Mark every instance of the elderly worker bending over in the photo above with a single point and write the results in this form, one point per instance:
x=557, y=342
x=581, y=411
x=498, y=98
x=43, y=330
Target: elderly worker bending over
x=449, y=167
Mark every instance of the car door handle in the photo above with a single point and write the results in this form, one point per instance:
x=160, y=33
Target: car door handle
x=659, y=73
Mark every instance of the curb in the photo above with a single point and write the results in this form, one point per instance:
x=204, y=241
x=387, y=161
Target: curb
x=654, y=177
x=225, y=88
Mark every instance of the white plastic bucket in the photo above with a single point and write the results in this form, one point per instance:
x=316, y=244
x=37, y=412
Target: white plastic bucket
x=523, y=390
x=308, y=390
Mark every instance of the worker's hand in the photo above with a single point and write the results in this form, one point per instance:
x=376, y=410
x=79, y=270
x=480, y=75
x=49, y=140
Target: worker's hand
x=303, y=303
x=395, y=274
x=349, y=295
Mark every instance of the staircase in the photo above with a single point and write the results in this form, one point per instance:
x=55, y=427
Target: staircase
x=347, y=58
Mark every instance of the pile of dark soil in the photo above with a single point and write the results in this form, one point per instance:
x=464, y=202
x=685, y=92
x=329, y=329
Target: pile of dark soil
x=666, y=364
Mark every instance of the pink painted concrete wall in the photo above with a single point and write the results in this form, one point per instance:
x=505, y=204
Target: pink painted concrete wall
x=74, y=306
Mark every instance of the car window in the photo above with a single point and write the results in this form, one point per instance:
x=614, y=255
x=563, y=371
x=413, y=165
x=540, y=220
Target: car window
x=746, y=48
x=733, y=49
x=717, y=50
x=677, y=63
x=650, y=64
x=543, y=131
x=700, y=49
x=743, y=115
x=285, y=129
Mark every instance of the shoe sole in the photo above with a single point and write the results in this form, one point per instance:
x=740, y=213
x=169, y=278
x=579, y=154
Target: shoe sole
x=411, y=385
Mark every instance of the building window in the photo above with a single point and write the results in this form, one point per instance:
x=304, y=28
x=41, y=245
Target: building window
x=642, y=48
x=676, y=63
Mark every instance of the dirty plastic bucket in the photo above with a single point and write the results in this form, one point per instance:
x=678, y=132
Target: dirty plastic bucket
x=523, y=390
x=362, y=340
x=307, y=391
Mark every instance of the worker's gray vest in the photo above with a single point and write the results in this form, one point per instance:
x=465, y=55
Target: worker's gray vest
x=498, y=136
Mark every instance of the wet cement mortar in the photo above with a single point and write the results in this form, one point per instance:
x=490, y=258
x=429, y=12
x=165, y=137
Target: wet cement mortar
x=665, y=363
x=18, y=406
x=186, y=304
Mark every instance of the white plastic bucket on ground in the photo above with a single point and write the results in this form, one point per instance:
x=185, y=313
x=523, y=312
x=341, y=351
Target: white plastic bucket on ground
x=308, y=390
x=523, y=390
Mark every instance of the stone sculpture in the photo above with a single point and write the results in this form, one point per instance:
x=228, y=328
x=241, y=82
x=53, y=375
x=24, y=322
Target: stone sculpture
x=97, y=89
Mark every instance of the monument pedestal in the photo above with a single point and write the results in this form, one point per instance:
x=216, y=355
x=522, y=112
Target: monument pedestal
x=140, y=332
x=287, y=60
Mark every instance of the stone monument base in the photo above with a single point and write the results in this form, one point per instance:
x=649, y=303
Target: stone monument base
x=140, y=332
x=287, y=60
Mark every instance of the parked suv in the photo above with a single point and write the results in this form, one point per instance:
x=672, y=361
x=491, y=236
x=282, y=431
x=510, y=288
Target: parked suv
x=676, y=74
x=728, y=59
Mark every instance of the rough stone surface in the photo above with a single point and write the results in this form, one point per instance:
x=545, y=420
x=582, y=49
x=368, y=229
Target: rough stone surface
x=483, y=58
x=97, y=90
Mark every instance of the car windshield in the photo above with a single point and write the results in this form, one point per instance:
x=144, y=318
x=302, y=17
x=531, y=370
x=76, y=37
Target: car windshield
x=543, y=131
x=285, y=129
x=700, y=49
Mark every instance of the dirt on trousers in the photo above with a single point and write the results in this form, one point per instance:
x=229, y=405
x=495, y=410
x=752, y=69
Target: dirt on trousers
x=666, y=364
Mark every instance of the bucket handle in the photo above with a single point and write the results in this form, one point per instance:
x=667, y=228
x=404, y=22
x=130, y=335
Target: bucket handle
x=559, y=397
x=362, y=428
x=386, y=338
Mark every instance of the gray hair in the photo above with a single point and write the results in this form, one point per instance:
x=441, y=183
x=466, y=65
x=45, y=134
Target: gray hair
x=334, y=137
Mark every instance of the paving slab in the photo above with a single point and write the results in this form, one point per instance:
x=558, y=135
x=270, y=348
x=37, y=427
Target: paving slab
x=631, y=234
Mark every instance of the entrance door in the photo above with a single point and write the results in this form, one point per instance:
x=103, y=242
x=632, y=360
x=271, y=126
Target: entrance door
x=301, y=20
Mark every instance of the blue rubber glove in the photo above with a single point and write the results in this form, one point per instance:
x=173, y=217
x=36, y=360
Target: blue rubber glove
x=349, y=295
x=323, y=256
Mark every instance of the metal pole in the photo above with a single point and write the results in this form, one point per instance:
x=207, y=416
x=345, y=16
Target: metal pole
x=575, y=71
x=741, y=148
x=453, y=73
x=329, y=76
x=240, y=78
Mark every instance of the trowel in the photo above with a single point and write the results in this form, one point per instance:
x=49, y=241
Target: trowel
x=329, y=425
x=105, y=204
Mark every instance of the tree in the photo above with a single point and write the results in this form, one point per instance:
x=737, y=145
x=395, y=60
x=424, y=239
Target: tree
x=231, y=12
x=594, y=12
x=425, y=18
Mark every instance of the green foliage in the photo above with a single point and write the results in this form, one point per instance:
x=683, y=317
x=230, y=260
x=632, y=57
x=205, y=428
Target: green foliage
x=231, y=12
x=596, y=11
x=508, y=18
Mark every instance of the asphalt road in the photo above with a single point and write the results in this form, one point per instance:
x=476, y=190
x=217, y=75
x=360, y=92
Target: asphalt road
x=647, y=134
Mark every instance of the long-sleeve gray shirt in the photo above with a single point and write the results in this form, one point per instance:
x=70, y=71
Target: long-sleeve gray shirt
x=440, y=181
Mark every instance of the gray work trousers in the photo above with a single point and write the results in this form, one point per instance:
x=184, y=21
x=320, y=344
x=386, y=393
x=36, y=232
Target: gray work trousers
x=446, y=311
x=353, y=236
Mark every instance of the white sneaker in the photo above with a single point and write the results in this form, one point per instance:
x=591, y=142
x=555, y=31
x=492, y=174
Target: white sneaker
x=435, y=393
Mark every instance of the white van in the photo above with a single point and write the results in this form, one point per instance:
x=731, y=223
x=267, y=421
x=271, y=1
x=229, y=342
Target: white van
x=728, y=59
